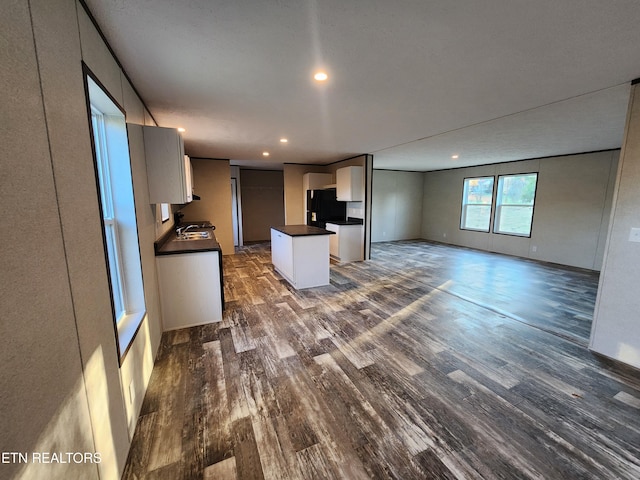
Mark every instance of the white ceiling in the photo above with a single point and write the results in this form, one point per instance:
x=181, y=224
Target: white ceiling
x=411, y=82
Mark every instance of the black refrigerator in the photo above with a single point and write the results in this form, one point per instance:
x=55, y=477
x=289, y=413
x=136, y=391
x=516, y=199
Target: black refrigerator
x=323, y=207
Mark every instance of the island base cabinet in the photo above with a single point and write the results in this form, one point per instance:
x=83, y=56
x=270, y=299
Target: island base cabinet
x=282, y=253
x=302, y=260
x=190, y=290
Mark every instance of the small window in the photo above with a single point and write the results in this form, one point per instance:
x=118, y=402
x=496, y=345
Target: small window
x=514, y=204
x=477, y=199
x=165, y=211
x=114, y=182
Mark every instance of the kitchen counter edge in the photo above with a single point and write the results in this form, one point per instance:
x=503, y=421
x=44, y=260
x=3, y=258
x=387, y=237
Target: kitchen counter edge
x=301, y=230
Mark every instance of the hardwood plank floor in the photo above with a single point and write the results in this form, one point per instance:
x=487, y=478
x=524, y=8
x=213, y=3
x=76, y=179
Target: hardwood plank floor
x=427, y=362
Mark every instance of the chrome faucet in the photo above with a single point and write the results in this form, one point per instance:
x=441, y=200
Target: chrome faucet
x=182, y=230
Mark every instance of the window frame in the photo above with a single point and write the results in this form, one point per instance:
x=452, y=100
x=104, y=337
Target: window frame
x=129, y=311
x=464, y=203
x=109, y=221
x=499, y=205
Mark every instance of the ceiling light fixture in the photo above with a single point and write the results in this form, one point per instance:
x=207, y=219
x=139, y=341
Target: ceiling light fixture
x=181, y=130
x=320, y=76
x=455, y=157
x=284, y=140
x=265, y=154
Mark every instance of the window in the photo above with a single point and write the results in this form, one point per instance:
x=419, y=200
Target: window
x=477, y=199
x=108, y=216
x=165, y=211
x=514, y=204
x=114, y=182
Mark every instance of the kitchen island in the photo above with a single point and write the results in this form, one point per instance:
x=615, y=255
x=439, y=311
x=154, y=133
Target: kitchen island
x=300, y=253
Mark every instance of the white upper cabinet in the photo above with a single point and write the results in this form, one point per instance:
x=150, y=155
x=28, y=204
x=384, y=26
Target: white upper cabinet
x=168, y=168
x=313, y=181
x=350, y=184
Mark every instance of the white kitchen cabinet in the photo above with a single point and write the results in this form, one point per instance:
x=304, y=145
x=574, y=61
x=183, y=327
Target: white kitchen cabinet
x=347, y=245
x=190, y=289
x=314, y=181
x=303, y=260
x=168, y=168
x=350, y=184
x=282, y=253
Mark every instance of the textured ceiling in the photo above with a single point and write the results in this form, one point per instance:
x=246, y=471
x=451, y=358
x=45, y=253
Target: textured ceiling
x=411, y=82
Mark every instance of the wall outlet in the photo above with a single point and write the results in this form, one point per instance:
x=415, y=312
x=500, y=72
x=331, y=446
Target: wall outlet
x=534, y=248
x=444, y=235
x=634, y=235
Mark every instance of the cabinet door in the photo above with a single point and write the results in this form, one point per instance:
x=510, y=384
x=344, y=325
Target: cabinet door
x=334, y=240
x=190, y=292
x=351, y=243
x=312, y=181
x=282, y=253
x=166, y=166
x=350, y=185
x=188, y=173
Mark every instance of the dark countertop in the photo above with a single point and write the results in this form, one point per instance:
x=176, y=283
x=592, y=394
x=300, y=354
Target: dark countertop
x=343, y=223
x=169, y=244
x=302, y=230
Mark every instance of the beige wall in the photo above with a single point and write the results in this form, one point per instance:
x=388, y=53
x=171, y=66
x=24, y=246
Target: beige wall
x=212, y=182
x=572, y=208
x=615, y=331
x=397, y=205
x=571, y=211
x=61, y=385
x=262, y=203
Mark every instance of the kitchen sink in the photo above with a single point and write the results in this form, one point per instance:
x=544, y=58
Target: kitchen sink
x=206, y=235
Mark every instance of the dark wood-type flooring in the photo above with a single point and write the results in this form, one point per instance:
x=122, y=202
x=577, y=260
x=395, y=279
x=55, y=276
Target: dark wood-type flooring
x=427, y=362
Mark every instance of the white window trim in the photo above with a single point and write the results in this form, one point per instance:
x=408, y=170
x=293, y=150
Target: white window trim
x=466, y=204
x=497, y=215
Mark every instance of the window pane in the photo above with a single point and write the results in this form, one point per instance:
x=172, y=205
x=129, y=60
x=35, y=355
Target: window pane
x=515, y=220
x=516, y=196
x=518, y=189
x=480, y=190
x=477, y=199
x=477, y=217
x=165, y=210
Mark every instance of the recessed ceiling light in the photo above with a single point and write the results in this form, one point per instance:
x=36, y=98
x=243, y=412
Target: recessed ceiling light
x=321, y=76
x=455, y=156
x=265, y=154
x=284, y=140
x=181, y=130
